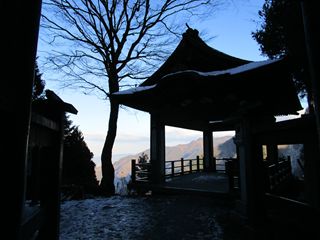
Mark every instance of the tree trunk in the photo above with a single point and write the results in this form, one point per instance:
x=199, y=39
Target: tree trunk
x=107, y=185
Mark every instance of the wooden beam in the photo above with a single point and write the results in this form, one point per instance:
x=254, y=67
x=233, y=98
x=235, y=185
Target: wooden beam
x=44, y=122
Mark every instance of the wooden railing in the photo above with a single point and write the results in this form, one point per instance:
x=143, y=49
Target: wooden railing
x=221, y=164
x=141, y=172
x=278, y=174
x=183, y=166
x=232, y=171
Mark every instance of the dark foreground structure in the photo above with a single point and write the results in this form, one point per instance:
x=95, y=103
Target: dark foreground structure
x=168, y=98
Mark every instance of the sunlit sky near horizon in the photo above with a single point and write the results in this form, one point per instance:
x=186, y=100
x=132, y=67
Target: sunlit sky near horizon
x=230, y=26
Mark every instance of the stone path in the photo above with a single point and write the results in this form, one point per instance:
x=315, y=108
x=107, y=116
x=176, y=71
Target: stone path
x=150, y=217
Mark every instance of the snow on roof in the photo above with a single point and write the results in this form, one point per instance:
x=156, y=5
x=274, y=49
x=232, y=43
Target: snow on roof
x=230, y=71
x=134, y=90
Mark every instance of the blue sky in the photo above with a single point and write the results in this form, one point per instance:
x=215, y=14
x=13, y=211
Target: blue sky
x=230, y=26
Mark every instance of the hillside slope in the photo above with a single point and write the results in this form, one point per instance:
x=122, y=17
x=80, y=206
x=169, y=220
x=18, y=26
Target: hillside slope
x=223, y=147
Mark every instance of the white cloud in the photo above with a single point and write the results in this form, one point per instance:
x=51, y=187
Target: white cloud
x=93, y=137
x=123, y=137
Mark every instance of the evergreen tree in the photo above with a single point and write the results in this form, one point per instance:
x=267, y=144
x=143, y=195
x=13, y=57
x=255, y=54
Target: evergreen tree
x=38, y=84
x=78, y=167
x=281, y=34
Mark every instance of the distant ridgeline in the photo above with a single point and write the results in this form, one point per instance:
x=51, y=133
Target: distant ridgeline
x=224, y=147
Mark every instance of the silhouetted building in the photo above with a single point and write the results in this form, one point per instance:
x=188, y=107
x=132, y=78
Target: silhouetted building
x=200, y=88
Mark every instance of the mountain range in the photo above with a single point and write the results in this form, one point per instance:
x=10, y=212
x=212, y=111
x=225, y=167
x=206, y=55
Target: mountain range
x=223, y=147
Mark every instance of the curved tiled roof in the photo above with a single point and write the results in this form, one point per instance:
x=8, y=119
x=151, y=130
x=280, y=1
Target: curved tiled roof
x=198, y=84
x=193, y=53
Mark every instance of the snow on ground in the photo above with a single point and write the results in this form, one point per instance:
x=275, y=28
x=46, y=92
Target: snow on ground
x=121, y=184
x=206, y=178
x=136, y=217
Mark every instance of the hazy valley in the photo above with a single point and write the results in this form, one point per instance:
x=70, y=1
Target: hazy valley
x=223, y=147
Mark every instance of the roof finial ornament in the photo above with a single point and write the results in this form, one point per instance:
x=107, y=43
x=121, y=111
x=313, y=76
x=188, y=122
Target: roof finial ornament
x=191, y=32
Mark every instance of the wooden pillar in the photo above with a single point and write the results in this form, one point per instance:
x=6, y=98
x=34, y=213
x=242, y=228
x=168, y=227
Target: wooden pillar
x=250, y=173
x=157, y=158
x=311, y=22
x=20, y=28
x=133, y=170
x=208, y=162
x=182, y=166
x=51, y=183
x=34, y=185
x=312, y=174
x=198, y=164
x=172, y=169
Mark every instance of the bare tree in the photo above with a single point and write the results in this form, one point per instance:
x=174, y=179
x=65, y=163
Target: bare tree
x=104, y=43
